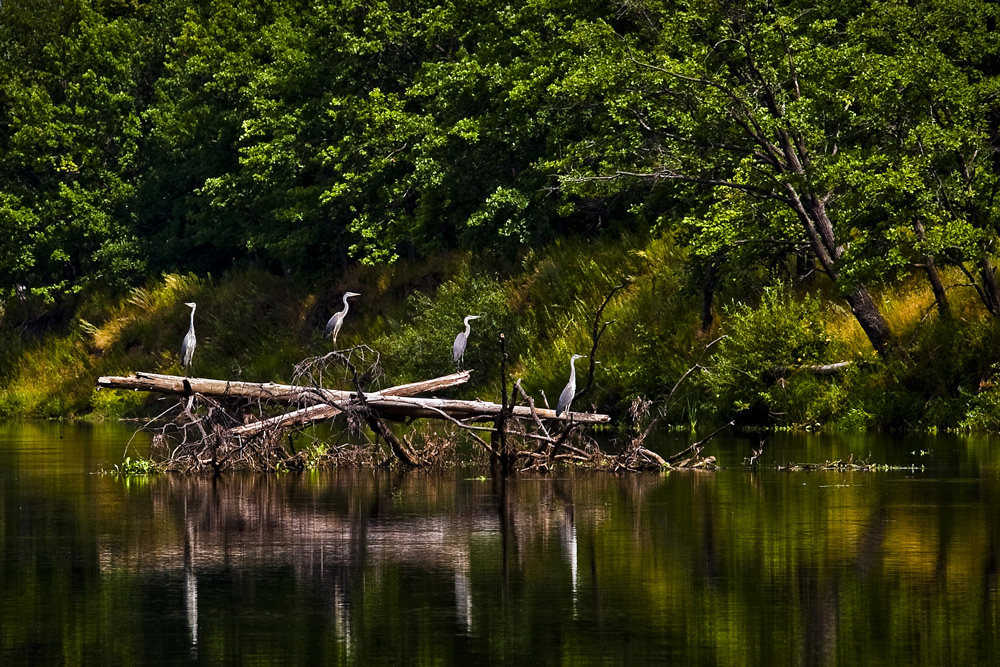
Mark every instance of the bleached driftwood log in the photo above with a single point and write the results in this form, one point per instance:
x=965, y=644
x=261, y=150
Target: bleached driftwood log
x=269, y=391
x=815, y=369
x=393, y=402
x=294, y=419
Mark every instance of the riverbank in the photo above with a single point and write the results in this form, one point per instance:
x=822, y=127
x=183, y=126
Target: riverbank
x=751, y=364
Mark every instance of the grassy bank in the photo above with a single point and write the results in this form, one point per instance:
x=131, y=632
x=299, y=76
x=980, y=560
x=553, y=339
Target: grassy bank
x=255, y=326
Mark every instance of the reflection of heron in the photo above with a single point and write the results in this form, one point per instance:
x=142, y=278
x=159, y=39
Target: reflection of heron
x=191, y=604
x=458, y=349
x=570, y=542
x=191, y=588
x=342, y=617
x=566, y=397
x=187, y=347
x=463, y=595
x=333, y=326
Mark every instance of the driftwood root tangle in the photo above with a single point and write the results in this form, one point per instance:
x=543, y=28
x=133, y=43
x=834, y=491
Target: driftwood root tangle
x=221, y=424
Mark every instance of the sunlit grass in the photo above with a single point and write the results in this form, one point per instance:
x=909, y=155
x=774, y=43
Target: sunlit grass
x=256, y=326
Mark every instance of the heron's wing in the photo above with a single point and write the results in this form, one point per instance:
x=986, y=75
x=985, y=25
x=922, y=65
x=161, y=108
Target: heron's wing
x=565, y=398
x=459, y=347
x=187, y=349
x=329, y=326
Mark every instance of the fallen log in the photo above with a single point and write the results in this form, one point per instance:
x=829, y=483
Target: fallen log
x=393, y=402
x=282, y=393
x=270, y=391
x=294, y=419
x=413, y=406
x=815, y=369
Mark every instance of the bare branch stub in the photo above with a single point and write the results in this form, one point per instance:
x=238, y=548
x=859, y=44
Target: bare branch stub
x=597, y=331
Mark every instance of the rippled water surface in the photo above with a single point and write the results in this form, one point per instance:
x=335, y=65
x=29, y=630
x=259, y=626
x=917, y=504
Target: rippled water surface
x=732, y=567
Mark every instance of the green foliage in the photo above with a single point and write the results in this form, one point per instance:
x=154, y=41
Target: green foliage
x=422, y=347
x=939, y=386
x=755, y=370
x=647, y=341
x=107, y=404
x=134, y=467
x=761, y=141
x=944, y=381
x=983, y=412
x=254, y=326
x=48, y=379
x=69, y=148
x=303, y=136
x=249, y=325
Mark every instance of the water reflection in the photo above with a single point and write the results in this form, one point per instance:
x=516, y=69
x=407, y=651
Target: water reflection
x=727, y=563
x=191, y=589
x=360, y=567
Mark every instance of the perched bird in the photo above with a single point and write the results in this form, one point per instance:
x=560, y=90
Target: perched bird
x=333, y=326
x=187, y=347
x=566, y=397
x=458, y=349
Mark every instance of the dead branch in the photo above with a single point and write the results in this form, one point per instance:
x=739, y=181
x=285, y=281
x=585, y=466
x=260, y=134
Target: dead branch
x=694, y=449
x=531, y=406
x=641, y=407
x=815, y=369
x=501, y=454
x=312, y=394
x=595, y=335
x=399, y=446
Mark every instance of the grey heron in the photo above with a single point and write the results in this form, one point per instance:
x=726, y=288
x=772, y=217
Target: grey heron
x=458, y=349
x=333, y=326
x=187, y=347
x=566, y=397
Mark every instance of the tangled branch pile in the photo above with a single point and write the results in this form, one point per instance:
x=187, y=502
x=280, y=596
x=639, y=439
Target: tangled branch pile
x=219, y=425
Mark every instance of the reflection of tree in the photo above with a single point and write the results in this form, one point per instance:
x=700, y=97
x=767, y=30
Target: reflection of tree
x=792, y=568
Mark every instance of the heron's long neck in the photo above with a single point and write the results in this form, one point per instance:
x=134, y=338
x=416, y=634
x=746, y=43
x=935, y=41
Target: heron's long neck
x=572, y=371
x=191, y=328
x=468, y=327
x=346, y=306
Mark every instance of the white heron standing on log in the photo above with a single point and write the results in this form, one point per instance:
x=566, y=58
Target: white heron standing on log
x=458, y=349
x=566, y=397
x=187, y=346
x=333, y=326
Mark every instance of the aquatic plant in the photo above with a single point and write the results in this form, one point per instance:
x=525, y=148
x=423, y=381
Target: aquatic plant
x=136, y=466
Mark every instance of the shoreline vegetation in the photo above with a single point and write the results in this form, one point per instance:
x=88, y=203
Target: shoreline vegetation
x=777, y=363
x=780, y=215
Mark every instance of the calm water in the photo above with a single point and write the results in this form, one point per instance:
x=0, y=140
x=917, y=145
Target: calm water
x=695, y=568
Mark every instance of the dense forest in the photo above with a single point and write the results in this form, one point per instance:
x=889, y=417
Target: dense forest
x=753, y=189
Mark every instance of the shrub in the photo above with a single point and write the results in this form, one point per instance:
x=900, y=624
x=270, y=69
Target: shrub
x=983, y=411
x=422, y=348
x=109, y=404
x=754, y=373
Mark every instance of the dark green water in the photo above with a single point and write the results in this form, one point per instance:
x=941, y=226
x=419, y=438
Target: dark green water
x=696, y=568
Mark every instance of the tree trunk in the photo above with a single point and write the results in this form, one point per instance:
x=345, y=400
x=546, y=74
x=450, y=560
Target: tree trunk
x=936, y=286
x=707, y=297
x=819, y=229
x=871, y=320
x=932, y=274
x=991, y=293
x=804, y=266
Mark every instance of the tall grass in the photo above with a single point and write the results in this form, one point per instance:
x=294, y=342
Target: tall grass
x=255, y=326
